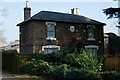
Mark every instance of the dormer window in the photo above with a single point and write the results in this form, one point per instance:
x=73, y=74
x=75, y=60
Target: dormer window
x=91, y=32
x=51, y=30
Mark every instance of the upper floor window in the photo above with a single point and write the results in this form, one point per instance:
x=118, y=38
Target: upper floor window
x=51, y=30
x=91, y=32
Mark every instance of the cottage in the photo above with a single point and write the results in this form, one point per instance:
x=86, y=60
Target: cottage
x=47, y=32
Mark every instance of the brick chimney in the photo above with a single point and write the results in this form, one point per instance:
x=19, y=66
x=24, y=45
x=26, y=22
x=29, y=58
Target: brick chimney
x=27, y=11
x=74, y=11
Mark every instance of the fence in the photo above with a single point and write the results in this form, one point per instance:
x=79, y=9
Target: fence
x=10, y=62
x=112, y=64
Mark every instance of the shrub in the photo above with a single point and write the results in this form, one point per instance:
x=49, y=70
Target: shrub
x=41, y=67
x=62, y=65
x=88, y=62
x=9, y=52
x=36, y=56
x=55, y=58
x=69, y=58
x=58, y=72
x=38, y=67
x=112, y=75
x=83, y=60
x=79, y=75
x=27, y=68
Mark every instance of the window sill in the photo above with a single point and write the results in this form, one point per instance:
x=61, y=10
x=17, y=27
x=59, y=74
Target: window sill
x=49, y=38
x=90, y=39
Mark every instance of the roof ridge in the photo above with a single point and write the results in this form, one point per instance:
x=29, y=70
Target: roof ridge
x=61, y=13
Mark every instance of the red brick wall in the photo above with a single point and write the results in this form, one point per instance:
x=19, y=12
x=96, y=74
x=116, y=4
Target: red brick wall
x=36, y=38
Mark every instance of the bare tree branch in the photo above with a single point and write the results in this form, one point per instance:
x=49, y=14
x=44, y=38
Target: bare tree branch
x=2, y=14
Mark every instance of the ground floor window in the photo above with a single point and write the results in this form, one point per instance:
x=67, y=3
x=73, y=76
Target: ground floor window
x=50, y=49
x=92, y=49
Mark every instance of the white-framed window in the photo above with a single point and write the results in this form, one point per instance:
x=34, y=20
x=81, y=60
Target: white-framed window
x=92, y=49
x=91, y=32
x=50, y=49
x=51, y=30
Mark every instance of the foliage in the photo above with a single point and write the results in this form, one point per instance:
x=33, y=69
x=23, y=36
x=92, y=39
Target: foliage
x=61, y=66
x=111, y=75
x=9, y=52
x=79, y=75
x=88, y=62
x=39, y=67
x=111, y=12
x=84, y=61
x=58, y=72
x=27, y=68
x=36, y=56
x=69, y=58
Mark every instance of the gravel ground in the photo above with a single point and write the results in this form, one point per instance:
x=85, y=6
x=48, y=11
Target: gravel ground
x=25, y=77
x=7, y=77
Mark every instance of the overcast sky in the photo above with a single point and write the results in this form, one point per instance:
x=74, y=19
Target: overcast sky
x=93, y=10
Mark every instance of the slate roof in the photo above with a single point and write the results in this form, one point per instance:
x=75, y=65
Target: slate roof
x=61, y=17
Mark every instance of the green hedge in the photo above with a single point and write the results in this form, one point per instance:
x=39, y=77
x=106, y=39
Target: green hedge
x=111, y=75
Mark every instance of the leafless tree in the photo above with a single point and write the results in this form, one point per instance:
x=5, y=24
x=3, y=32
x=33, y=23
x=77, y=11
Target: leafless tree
x=2, y=38
x=2, y=14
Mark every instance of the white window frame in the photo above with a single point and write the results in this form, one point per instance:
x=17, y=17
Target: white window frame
x=91, y=26
x=50, y=46
x=51, y=23
x=92, y=47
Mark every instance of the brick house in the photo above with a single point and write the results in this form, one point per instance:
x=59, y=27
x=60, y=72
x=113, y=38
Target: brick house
x=48, y=32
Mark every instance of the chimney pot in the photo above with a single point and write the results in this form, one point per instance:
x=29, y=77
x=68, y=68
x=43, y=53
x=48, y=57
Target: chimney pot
x=27, y=5
x=74, y=11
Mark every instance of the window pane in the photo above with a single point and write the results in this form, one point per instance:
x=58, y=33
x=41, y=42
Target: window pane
x=91, y=33
x=50, y=28
x=50, y=34
x=45, y=50
x=50, y=50
x=50, y=31
x=92, y=51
